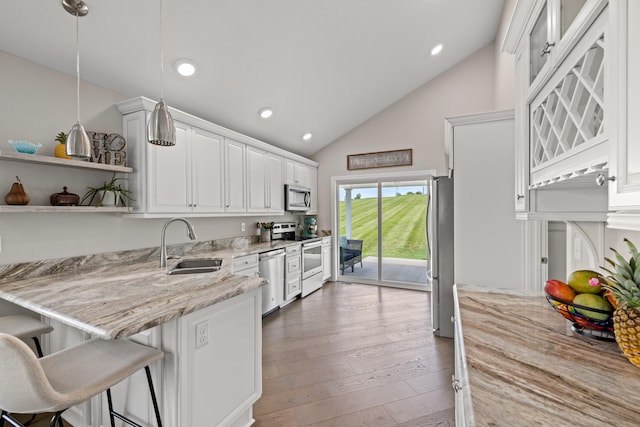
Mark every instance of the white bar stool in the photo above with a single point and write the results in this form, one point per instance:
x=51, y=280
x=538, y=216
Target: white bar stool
x=24, y=327
x=68, y=377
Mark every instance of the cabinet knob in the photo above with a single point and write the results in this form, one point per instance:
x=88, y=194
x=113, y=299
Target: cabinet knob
x=455, y=384
x=546, y=48
x=519, y=196
x=601, y=179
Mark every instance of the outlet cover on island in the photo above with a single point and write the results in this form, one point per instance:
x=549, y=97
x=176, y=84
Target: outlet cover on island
x=243, y=227
x=202, y=333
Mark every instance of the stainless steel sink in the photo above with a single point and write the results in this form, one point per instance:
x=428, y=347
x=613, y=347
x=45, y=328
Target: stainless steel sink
x=198, y=265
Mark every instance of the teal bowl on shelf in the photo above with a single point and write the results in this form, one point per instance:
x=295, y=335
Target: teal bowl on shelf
x=25, y=147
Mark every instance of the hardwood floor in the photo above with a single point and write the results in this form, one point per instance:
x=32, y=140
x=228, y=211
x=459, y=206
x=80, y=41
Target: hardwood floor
x=355, y=355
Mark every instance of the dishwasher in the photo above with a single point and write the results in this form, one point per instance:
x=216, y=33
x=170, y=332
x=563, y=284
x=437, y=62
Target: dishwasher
x=271, y=268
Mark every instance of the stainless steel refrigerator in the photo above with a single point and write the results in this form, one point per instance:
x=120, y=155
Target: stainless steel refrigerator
x=441, y=253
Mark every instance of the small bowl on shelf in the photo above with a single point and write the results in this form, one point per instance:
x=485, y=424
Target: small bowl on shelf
x=581, y=324
x=25, y=147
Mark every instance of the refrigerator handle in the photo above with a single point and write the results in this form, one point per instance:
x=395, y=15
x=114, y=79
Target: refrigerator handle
x=433, y=223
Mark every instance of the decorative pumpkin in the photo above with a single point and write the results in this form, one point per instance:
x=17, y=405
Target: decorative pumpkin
x=17, y=196
x=61, y=148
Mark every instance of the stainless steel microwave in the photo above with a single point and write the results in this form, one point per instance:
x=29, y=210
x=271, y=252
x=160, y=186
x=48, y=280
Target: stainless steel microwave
x=297, y=198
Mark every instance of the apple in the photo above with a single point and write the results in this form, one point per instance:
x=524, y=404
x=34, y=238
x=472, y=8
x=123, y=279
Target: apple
x=559, y=290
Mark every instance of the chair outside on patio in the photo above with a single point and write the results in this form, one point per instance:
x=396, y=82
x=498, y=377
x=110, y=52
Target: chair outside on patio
x=350, y=253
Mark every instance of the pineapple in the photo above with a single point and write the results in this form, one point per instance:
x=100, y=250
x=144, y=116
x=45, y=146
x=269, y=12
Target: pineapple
x=61, y=150
x=624, y=283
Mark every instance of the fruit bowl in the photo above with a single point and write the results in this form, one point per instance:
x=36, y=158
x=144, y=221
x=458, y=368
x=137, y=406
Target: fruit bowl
x=25, y=146
x=600, y=329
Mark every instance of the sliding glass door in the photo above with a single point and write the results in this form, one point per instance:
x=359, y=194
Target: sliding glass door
x=382, y=225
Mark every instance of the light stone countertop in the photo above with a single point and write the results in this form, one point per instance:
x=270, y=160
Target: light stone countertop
x=526, y=367
x=122, y=293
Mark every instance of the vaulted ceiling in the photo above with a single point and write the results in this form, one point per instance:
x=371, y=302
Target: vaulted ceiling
x=323, y=66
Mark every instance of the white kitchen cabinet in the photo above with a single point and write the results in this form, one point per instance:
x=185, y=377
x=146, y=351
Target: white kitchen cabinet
x=188, y=176
x=245, y=265
x=265, y=187
x=624, y=65
x=297, y=173
x=521, y=198
x=168, y=169
x=548, y=30
x=235, y=176
x=326, y=259
x=313, y=179
x=275, y=178
x=293, y=272
x=561, y=137
x=208, y=172
x=220, y=368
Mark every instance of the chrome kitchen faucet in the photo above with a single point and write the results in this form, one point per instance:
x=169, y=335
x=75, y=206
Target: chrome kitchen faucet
x=163, y=246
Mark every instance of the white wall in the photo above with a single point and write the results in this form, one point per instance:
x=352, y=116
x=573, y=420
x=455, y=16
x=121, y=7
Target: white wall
x=35, y=104
x=415, y=121
x=504, y=96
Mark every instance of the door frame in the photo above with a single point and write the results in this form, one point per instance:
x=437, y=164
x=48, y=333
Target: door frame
x=336, y=181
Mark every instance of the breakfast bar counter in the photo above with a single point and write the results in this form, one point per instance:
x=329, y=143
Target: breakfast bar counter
x=525, y=366
x=117, y=299
x=208, y=325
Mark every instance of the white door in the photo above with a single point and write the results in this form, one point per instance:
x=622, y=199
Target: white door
x=275, y=193
x=256, y=180
x=235, y=176
x=207, y=174
x=167, y=175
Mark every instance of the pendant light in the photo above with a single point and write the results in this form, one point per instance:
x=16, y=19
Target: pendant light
x=160, y=128
x=78, y=143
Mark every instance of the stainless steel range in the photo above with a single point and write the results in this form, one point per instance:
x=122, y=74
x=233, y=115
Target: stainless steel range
x=311, y=255
x=311, y=266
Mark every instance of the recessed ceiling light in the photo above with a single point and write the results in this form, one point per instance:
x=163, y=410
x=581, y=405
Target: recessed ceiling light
x=265, y=113
x=185, y=68
x=307, y=136
x=436, y=49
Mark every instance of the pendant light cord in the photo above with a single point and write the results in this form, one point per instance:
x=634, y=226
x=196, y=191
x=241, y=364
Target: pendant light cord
x=78, y=65
x=161, y=53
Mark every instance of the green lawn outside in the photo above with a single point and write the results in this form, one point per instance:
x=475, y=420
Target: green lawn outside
x=404, y=225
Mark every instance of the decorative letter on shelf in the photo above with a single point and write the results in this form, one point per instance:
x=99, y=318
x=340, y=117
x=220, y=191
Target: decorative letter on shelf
x=381, y=159
x=109, y=149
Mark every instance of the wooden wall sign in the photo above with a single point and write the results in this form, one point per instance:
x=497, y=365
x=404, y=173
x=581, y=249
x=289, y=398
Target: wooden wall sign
x=380, y=159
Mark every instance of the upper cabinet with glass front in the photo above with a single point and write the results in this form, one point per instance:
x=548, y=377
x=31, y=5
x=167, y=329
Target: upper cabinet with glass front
x=551, y=31
x=559, y=48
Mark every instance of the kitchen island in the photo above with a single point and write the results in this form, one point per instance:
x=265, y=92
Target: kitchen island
x=525, y=366
x=208, y=325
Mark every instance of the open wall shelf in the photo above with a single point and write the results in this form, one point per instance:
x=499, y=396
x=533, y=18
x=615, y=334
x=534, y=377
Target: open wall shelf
x=74, y=209
x=55, y=161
